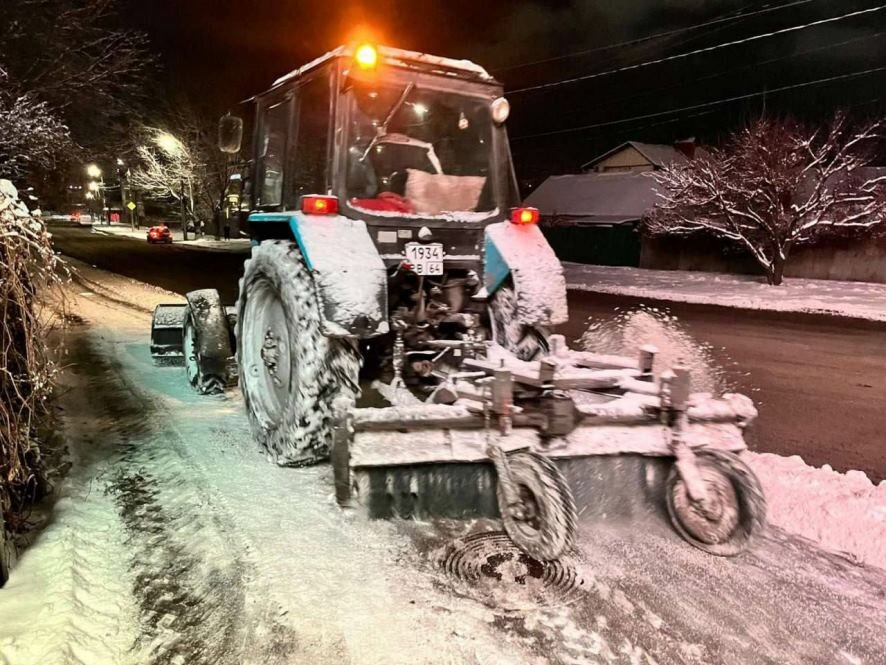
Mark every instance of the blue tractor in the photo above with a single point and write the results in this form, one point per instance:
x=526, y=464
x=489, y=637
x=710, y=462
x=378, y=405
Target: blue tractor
x=391, y=262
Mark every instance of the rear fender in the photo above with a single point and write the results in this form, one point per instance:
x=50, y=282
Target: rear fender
x=349, y=273
x=521, y=252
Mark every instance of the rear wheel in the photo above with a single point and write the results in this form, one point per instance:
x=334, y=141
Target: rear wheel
x=290, y=372
x=527, y=342
x=737, y=510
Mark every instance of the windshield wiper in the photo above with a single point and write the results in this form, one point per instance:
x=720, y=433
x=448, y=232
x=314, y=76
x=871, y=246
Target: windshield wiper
x=381, y=131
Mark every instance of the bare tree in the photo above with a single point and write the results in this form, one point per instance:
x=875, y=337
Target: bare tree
x=776, y=185
x=73, y=59
x=181, y=159
x=32, y=137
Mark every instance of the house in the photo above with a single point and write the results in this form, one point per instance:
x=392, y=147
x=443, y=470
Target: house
x=595, y=216
x=636, y=157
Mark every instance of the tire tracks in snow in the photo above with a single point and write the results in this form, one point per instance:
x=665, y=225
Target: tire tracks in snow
x=188, y=577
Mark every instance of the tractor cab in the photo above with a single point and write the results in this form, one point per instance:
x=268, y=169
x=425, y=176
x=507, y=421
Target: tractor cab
x=403, y=141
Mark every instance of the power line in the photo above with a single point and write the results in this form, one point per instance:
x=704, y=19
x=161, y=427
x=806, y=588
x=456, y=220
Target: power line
x=720, y=74
x=703, y=105
x=658, y=35
x=706, y=49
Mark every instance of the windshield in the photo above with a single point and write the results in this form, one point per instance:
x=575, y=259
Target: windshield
x=419, y=152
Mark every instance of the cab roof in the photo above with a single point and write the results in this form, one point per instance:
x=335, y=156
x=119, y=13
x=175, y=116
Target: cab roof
x=396, y=57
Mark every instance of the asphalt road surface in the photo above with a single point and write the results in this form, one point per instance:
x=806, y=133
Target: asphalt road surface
x=175, y=268
x=819, y=383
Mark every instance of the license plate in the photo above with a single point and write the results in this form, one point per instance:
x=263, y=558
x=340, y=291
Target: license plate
x=425, y=259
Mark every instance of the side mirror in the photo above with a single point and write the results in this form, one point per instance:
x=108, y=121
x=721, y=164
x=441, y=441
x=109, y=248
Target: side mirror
x=230, y=134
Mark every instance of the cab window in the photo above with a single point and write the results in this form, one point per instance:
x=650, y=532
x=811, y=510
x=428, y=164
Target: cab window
x=272, y=151
x=311, y=141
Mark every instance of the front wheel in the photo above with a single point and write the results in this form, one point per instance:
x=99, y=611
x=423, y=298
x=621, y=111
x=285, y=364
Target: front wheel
x=737, y=510
x=290, y=372
x=206, y=342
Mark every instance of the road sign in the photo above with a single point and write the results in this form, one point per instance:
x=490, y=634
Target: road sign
x=131, y=205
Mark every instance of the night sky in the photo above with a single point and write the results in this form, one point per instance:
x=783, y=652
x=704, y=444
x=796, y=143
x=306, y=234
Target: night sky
x=219, y=51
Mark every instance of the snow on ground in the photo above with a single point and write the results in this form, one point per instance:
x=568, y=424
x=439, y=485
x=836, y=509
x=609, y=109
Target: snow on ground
x=91, y=282
x=208, y=242
x=176, y=542
x=862, y=300
x=844, y=512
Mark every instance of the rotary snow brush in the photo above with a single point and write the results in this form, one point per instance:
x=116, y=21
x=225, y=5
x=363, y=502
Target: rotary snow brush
x=536, y=444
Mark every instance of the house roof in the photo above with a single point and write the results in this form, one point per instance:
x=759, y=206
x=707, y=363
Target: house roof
x=657, y=154
x=602, y=198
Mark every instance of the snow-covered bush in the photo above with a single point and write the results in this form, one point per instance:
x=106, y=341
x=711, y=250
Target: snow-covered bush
x=28, y=269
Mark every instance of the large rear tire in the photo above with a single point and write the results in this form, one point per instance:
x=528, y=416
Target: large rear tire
x=738, y=504
x=527, y=342
x=290, y=372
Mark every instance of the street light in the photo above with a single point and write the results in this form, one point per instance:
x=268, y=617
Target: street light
x=94, y=172
x=169, y=144
x=174, y=148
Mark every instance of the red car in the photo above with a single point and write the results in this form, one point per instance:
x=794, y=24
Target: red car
x=159, y=233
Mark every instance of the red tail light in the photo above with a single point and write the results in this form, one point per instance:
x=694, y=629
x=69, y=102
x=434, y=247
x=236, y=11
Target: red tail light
x=319, y=205
x=524, y=216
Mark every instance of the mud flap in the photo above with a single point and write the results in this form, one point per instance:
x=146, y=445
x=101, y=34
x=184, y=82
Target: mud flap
x=349, y=273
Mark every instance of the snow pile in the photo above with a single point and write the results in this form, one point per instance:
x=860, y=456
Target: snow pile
x=119, y=289
x=843, y=512
x=861, y=300
x=631, y=329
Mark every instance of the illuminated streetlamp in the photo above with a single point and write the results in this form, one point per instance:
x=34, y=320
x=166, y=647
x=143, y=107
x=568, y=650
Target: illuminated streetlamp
x=169, y=144
x=174, y=148
x=96, y=186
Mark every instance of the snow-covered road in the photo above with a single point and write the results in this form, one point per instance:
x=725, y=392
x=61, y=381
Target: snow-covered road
x=176, y=542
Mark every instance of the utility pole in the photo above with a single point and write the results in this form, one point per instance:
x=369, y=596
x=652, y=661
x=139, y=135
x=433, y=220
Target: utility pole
x=125, y=195
x=181, y=200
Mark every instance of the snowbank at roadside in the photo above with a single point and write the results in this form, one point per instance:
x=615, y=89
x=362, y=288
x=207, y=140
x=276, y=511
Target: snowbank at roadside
x=861, y=300
x=844, y=512
x=123, y=290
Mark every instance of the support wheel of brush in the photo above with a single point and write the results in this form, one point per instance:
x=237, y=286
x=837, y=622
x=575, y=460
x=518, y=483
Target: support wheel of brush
x=544, y=523
x=206, y=342
x=738, y=508
x=290, y=372
x=524, y=341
